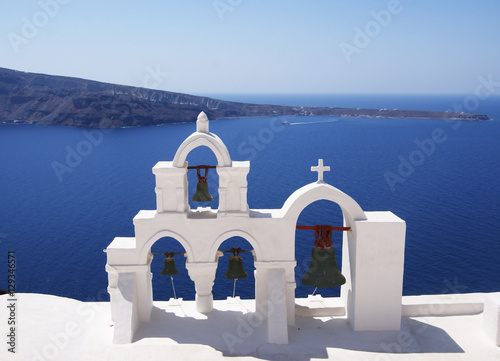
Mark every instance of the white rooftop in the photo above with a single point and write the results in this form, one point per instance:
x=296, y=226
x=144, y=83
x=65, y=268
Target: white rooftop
x=436, y=327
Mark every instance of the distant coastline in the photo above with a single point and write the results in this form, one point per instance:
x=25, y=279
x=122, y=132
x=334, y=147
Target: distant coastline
x=30, y=98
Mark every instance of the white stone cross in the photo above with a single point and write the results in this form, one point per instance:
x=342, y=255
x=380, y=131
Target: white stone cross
x=320, y=169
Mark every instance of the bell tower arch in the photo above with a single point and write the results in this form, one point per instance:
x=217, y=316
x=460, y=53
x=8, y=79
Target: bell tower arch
x=201, y=137
x=171, y=177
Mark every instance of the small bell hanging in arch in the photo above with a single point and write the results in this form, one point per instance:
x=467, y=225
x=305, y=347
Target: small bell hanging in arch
x=202, y=194
x=169, y=268
x=235, y=270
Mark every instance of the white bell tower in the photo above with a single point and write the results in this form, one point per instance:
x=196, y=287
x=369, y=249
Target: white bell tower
x=373, y=247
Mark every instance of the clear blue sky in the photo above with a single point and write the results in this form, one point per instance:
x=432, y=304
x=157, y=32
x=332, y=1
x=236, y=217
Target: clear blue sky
x=258, y=46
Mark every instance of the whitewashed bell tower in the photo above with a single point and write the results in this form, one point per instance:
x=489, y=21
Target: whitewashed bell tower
x=373, y=248
x=171, y=177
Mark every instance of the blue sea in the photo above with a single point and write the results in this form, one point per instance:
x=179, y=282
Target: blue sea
x=65, y=193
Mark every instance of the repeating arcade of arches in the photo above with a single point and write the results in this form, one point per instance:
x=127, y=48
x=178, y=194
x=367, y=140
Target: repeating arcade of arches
x=229, y=242
x=216, y=249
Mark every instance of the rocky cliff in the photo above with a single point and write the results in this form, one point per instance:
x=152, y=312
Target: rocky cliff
x=57, y=100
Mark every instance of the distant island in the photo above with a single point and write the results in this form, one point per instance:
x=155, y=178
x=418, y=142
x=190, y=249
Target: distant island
x=32, y=98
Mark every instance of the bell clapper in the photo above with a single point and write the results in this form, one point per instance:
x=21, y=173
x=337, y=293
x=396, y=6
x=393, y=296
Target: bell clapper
x=234, y=286
x=173, y=287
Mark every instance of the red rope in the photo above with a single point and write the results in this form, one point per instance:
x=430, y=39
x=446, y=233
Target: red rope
x=323, y=235
x=200, y=178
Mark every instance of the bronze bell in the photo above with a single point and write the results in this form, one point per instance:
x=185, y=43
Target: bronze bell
x=169, y=268
x=202, y=194
x=235, y=270
x=323, y=271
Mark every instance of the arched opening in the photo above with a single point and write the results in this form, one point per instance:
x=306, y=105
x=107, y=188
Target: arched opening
x=323, y=194
x=321, y=212
x=223, y=287
x=162, y=284
x=203, y=156
x=196, y=140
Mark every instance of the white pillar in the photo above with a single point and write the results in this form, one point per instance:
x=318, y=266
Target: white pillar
x=171, y=188
x=144, y=292
x=260, y=290
x=203, y=276
x=376, y=259
x=112, y=284
x=233, y=188
x=290, y=292
x=491, y=317
x=261, y=287
x=277, y=326
x=125, y=314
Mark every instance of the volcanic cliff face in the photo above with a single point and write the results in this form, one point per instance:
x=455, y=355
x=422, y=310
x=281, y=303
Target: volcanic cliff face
x=57, y=100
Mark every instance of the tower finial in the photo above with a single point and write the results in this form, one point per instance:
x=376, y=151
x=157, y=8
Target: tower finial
x=202, y=123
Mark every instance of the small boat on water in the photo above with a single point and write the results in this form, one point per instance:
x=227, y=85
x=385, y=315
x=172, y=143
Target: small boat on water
x=285, y=122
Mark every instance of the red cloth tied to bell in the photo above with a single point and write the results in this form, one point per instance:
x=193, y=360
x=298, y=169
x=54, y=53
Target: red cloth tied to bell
x=323, y=235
